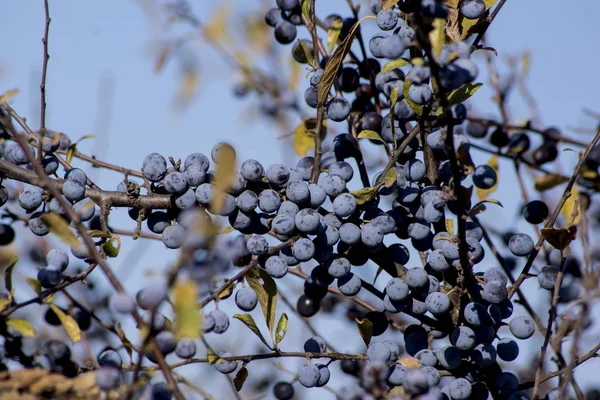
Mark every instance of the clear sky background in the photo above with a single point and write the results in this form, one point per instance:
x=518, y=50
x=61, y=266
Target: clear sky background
x=101, y=81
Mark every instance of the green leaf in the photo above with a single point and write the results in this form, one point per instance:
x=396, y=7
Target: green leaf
x=368, y=134
x=20, y=325
x=306, y=8
x=240, y=378
x=60, y=228
x=302, y=52
x=549, y=181
x=8, y=273
x=393, y=64
x=365, y=328
x=333, y=34
x=110, y=249
x=415, y=107
x=70, y=325
x=334, y=63
x=393, y=98
x=187, y=312
x=437, y=36
x=250, y=323
x=35, y=285
x=71, y=153
x=463, y=93
x=267, y=294
x=365, y=194
x=8, y=95
x=560, y=238
x=281, y=329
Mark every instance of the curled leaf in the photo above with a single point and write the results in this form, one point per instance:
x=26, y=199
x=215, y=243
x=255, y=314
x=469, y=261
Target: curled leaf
x=393, y=64
x=549, y=181
x=368, y=134
x=365, y=194
x=560, y=238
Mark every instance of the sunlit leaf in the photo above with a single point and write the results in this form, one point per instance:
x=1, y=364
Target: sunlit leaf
x=365, y=194
x=385, y=4
x=4, y=302
x=187, y=312
x=393, y=64
x=211, y=356
x=546, y=182
x=251, y=324
x=306, y=8
x=240, y=378
x=224, y=176
x=390, y=177
x=437, y=36
x=365, y=328
x=71, y=153
x=483, y=194
x=281, y=329
x=35, y=285
x=8, y=95
x=60, y=228
x=450, y=226
x=267, y=294
x=20, y=325
x=333, y=34
x=70, y=325
x=571, y=210
x=368, y=134
x=8, y=273
x=217, y=29
x=463, y=93
x=334, y=63
x=85, y=137
x=162, y=58
x=467, y=25
x=560, y=238
x=303, y=137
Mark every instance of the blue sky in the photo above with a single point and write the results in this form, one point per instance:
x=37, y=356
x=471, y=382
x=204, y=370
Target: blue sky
x=101, y=81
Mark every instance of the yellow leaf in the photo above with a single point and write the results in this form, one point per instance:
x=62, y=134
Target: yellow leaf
x=187, y=312
x=4, y=302
x=240, y=378
x=227, y=230
x=416, y=108
x=390, y=177
x=333, y=34
x=365, y=194
x=450, y=226
x=549, y=181
x=393, y=99
x=463, y=93
x=409, y=362
x=71, y=152
x=35, y=285
x=437, y=36
x=281, y=329
x=467, y=24
x=211, y=356
x=335, y=61
x=525, y=63
x=188, y=86
x=483, y=194
x=393, y=64
x=8, y=95
x=226, y=172
x=303, y=138
x=294, y=74
x=84, y=137
x=70, y=325
x=365, y=328
x=217, y=28
x=23, y=327
x=571, y=210
x=60, y=228
x=388, y=4
x=367, y=134
x=162, y=58
x=306, y=8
